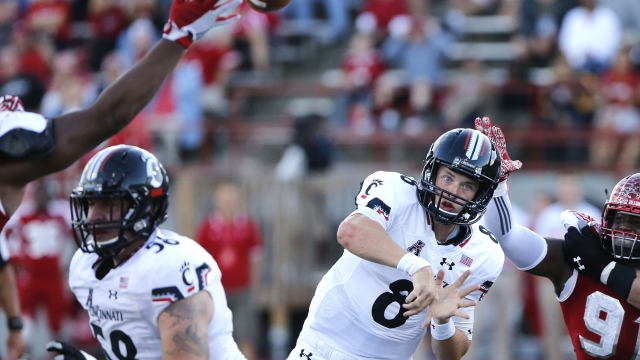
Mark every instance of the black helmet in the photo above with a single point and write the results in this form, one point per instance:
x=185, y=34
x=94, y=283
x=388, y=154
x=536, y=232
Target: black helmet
x=117, y=173
x=470, y=153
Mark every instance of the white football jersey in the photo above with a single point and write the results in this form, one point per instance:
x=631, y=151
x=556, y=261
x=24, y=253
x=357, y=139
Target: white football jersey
x=356, y=307
x=124, y=306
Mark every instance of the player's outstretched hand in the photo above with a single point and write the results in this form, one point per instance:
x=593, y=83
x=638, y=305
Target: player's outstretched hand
x=496, y=136
x=189, y=20
x=67, y=352
x=450, y=299
x=583, y=252
x=423, y=294
x=11, y=103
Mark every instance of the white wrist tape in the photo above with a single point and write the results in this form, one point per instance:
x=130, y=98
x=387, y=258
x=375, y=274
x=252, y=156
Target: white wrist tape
x=442, y=331
x=410, y=263
x=604, y=276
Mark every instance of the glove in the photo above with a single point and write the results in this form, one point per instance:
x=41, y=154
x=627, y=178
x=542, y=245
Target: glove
x=67, y=352
x=582, y=251
x=11, y=103
x=496, y=136
x=189, y=20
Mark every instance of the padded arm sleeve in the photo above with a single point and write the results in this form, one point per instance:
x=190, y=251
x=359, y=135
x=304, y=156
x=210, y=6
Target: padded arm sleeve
x=26, y=135
x=522, y=246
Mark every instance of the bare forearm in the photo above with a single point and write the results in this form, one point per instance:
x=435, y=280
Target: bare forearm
x=367, y=239
x=452, y=348
x=8, y=292
x=125, y=98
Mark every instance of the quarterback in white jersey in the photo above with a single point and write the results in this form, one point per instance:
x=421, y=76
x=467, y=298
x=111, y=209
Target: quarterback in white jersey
x=360, y=307
x=150, y=293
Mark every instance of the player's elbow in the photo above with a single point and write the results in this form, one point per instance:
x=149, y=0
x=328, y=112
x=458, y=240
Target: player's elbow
x=347, y=234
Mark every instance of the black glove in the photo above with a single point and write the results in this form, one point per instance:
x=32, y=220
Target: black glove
x=583, y=252
x=67, y=352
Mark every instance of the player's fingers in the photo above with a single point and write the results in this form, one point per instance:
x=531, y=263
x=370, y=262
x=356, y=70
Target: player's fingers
x=478, y=124
x=468, y=290
x=440, y=278
x=461, y=314
x=461, y=279
x=223, y=6
x=54, y=346
x=467, y=303
x=413, y=295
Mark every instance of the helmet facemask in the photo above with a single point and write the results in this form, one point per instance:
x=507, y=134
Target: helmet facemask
x=471, y=210
x=467, y=152
x=129, y=189
x=135, y=222
x=619, y=243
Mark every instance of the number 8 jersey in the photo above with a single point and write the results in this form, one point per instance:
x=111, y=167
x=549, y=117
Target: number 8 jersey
x=124, y=305
x=356, y=308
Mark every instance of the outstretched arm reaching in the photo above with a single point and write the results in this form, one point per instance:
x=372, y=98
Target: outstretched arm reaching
x=79, y=132
x=526, y=249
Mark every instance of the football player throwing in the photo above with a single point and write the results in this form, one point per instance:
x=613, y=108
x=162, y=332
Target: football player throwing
x=379, y=297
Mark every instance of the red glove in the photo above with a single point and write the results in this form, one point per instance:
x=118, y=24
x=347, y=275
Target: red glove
x=189, y=20
x=496, y=136
x=11, y=103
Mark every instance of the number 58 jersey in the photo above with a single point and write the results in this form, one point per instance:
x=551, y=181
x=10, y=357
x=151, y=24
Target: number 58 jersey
x=124, y=305
x=356, y=308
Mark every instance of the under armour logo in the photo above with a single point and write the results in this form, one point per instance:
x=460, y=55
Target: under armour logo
x=308, y=356
x=114, y=294
x=450, y=265
x=577, y=260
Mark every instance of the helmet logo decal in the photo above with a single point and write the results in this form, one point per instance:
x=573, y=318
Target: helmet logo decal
x=153, y=171
x=474, y=145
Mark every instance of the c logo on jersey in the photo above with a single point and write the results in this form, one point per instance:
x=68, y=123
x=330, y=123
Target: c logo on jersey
x=416, y=248
x=375, y=183
x=380, y=207
x=184, y=269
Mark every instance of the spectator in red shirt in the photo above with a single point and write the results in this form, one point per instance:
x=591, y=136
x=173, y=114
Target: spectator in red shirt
x=107, y=20
x=361, y=67
x=40, y=240
x=377, y=14
x=234, y=241
x=620, y=91
x=52, y=17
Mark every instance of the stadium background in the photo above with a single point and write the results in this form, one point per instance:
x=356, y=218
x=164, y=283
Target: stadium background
x=299, y=106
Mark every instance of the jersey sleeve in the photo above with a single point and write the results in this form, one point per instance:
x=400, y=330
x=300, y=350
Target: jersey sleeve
x=25, y=135
x=376, y=199
x=179, y=275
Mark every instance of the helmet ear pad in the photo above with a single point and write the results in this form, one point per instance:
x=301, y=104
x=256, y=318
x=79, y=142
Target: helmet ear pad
x=468, y=152
x=120, y=175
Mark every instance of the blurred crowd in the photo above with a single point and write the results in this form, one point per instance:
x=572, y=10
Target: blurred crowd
x=406, y=65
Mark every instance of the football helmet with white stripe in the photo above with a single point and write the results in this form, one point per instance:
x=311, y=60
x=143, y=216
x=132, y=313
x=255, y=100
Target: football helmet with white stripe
x=470, y=153
x=133, y=185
